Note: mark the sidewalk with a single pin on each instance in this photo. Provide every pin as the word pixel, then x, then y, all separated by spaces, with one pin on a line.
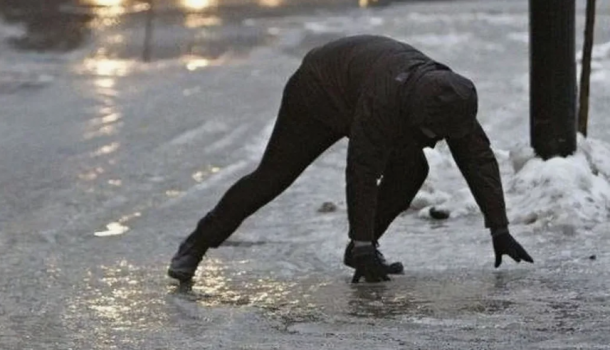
pixel 108 162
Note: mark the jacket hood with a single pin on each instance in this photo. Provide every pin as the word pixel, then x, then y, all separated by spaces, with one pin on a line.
pixel 444 102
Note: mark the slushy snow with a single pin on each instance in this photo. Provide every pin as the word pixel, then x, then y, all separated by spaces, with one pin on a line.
pixel 565 193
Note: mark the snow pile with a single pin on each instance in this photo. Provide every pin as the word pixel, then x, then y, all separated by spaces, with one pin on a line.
pixel 445 189
pixel 431 194
pixel 563 193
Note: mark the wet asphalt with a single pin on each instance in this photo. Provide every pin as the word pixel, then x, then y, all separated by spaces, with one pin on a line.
pixel 107 162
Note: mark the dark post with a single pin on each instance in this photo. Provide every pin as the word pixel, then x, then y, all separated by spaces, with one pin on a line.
pixel 552 77
pixel 148 31
pixel 585 73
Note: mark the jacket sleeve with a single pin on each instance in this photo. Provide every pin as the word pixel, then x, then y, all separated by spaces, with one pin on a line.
pixel 478 164
pixel 370 142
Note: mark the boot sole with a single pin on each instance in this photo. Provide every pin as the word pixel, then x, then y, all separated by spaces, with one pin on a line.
pixel 395 268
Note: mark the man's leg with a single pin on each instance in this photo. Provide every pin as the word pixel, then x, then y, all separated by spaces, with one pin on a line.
pixel 402 179
pixel 296 141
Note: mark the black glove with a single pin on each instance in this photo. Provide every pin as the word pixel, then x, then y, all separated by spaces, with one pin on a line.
pixel 368 265
pixel 504 243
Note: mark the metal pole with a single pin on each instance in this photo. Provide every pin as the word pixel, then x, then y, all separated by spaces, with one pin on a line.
pixel 552 77
pixel 583 105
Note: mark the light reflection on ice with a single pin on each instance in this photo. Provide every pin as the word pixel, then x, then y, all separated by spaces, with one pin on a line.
pixel 91 174
pixel 103 66
pixel 116 39
pixel 270 3
pixel 226 288
pixel 197 62
pixel 115 182
pixel 118 227
pixel 108 118
pixel 197 21
pixel 107 149
pixel 367 3
pixel 107 9
pixel 112 229
pixel 295 300
pixel 115 297
pixel 173 193
pixel 105 83
pixel 105 130
pixel 198 5
pixel 107 3
pixel 110 11
pixel 202 174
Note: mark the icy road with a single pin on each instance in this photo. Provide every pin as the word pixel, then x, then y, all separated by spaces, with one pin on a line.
pixel 107 162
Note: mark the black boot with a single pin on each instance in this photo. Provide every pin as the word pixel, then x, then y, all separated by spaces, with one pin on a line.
pixel 184 263
pixel 395 268
pixel 191 251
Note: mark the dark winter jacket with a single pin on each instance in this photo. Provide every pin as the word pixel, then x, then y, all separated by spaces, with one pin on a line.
pixel 361 87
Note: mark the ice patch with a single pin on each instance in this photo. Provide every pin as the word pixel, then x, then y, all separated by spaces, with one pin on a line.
pixel 208 127
pixel 21 70
pixel 15 79
pixel 445 40
pixel 489 18
pixel 339 24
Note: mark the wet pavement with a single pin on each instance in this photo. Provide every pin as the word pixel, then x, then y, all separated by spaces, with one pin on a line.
pixel 107 162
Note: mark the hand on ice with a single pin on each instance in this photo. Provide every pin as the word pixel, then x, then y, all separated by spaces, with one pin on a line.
pixel 504 243
pixel 368 265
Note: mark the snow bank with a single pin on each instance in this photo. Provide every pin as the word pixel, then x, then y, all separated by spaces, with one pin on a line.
pixel 444 189
pixel 565 193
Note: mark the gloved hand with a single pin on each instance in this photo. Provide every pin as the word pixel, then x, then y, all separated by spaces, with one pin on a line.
pixel 504 243
pixel 368 265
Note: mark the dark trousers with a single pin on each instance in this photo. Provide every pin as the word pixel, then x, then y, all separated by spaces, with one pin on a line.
pixel 298 138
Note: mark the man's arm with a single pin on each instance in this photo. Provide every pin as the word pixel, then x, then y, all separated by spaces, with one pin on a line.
pixel 372 135
pixel 367 155
pixel 371 138
pixel 478 164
